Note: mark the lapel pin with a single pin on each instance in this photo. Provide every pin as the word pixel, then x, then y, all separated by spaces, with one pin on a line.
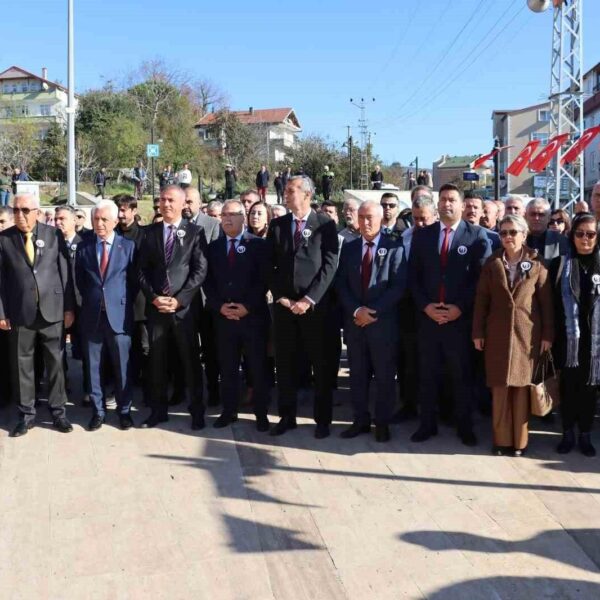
pixel 180 236
pixel 306 233
pixel 241 249
pixel 462 250
pixel 525 266
pixel 382 252
pixel 596 279
pixel 40 243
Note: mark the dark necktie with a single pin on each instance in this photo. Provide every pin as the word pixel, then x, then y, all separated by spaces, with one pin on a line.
pixel 103 259
pixel 169 245
pixel 366 268
pixel 298 234
pixel 444 261
pixel 231 254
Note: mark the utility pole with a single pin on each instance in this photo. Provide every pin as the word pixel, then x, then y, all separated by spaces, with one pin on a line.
pixel 349 143
pixel 566 96
pixel 152 162
pixel 496 160
pixel 364 142
pixel 71 177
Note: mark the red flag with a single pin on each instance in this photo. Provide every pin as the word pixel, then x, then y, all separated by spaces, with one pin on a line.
pixel 580 145
pixel 540 162
pixel 516 166
pixel 479 162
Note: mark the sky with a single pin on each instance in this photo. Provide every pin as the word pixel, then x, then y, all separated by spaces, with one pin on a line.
pixel 436 68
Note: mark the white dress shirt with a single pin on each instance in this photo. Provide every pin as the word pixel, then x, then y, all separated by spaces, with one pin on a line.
pixel 303 220
pixel 166 230
pixel 374 241
pixel 450 235
pixel 237 239
pixel 109 244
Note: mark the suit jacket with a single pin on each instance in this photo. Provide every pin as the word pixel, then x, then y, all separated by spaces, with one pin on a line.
pixel 72 249
pixel 493 239
pixel 115 293
pixel 309 270
pixel 245 283
pixel 186 271
pixel 387 284
pixel 467 253
pixel 210 226
pixel 46 284
pixel 555 245
pixel 136 234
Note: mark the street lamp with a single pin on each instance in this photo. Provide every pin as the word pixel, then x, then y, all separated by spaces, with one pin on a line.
pixel 71 188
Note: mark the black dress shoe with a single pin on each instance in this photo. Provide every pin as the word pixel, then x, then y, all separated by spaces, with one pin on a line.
pixel 198 422
pixel 423 434
pixel 224 420
pixel 519 452
pixel 321 431
pixel 467 437
pixel 355 430
pixel 382 433
pixel 96 422
pixel 63 425
pixel 126 422
pixel 284 425
pixel 153 420
pixel 406 413
pixel 567 443
pixel 21 428
pixel 262 423
pixel 585 445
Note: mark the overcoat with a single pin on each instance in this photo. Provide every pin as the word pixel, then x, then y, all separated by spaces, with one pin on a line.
pixel 513 322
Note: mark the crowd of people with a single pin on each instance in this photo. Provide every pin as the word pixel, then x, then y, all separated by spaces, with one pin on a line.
pixel 457 291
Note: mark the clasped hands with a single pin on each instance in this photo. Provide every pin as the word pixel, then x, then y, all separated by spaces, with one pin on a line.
pixel 442 313
pixel 299 307
pixel 166 304
pixel 234 311
pixel 365 316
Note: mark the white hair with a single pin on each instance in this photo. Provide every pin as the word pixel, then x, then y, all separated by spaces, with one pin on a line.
pixel 113 209
pixel 539 202
pixel 35 200
pixel 374 203
pixel 307 183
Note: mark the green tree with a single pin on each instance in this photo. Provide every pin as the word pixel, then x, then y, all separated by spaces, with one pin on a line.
pixel 50 163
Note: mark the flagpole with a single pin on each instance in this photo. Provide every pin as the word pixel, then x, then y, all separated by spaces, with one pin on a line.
pixel 71 196
pixel 496 160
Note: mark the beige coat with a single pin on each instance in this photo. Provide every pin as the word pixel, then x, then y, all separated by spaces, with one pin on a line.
pixel 513 322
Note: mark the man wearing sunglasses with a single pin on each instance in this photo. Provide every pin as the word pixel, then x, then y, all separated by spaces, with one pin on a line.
pixel 549 244
pixel 37 298
pixel 389 203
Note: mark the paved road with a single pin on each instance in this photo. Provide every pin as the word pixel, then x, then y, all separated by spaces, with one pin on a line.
pixel 233 514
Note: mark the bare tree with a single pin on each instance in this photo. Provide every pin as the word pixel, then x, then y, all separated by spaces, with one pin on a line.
pixel 206 95
pixel 19 143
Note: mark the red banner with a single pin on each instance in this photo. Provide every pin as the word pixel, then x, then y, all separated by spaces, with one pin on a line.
pixel 516 166
pixel 581 144
pixel 540 162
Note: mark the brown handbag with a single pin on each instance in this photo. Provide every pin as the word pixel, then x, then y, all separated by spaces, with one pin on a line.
pixel 544 392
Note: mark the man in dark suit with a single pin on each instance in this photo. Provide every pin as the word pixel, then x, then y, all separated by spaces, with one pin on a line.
pixel 211 229
pixel 66 220
pixel 304 248
pixel 6 221
pixel 549 244
pixel 36 297
pixel 129 228
pixel 236 294
pixel 370 282
pixel 444 266
pixel 172 268
pixel 106 277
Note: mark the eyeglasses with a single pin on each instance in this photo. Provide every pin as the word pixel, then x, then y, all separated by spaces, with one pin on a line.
pixel 24 211
pixel 508 232
pixel 388 205
pixel 236 214
pixel 557 221
pixel 590 235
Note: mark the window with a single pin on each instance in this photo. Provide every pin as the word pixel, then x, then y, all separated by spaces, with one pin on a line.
pixel 45 110
pixel 543 137
pixel 593 163
pixel 543 115
pixel 24 87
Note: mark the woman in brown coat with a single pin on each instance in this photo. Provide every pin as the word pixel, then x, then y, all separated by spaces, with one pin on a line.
pixel 512 324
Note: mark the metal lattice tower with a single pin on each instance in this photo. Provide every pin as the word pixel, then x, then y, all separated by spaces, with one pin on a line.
pixel 363 127
pixel 565 183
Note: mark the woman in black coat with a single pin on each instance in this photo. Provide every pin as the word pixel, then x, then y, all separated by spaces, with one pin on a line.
pixel 577 294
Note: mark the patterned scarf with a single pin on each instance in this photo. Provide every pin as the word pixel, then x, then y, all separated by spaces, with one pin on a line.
pixel 570 291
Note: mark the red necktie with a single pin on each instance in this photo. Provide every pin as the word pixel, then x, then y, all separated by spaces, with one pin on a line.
pixel 103 259
pixel 444 261
pixel 366 268
pixel 298 233
pixel 231 253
